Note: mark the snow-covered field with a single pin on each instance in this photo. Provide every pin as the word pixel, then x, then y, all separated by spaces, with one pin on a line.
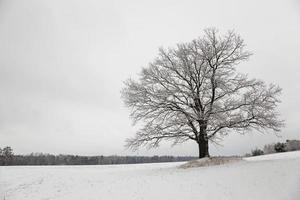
pixel 270 177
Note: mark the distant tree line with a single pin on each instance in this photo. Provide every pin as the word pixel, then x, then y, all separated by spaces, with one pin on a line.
pixel 289 145
pixel 8 158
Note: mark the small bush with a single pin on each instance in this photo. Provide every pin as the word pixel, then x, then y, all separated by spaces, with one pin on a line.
pixel 280 147
pixel 269 148
pixel 257 152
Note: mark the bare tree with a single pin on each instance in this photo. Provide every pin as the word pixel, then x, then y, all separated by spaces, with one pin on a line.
pixel 193 92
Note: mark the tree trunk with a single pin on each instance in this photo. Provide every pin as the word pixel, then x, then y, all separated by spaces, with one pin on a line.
pixel 203 140
pixel 203 148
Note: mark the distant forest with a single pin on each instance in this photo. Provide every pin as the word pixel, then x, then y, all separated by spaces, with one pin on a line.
pixel 7 157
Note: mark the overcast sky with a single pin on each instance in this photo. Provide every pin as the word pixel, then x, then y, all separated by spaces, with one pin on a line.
pixel 63 63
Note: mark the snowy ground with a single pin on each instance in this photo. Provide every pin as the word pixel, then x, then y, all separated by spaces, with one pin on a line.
pixel 270 177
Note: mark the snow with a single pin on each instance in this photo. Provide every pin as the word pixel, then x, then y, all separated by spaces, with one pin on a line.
pixel 274 177
pixel 276 156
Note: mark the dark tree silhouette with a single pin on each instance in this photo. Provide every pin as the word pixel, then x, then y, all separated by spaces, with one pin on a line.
pixel 6 155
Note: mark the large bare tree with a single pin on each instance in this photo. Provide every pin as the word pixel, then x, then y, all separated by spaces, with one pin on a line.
pixel 193 92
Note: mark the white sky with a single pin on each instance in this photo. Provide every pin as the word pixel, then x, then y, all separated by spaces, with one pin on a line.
pixel 63 63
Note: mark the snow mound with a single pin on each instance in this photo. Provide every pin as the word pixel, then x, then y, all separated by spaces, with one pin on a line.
pixel 203 162
pixel 275 156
